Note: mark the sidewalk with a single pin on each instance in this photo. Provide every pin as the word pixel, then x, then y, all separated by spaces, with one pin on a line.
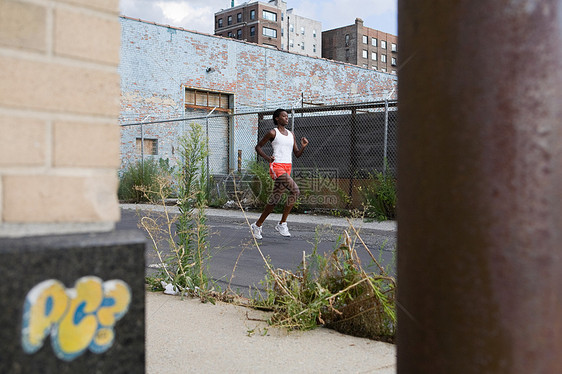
pixel 385 226
pixel 187 336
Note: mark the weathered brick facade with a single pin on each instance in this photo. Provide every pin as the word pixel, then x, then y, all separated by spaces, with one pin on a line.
pixel 159 62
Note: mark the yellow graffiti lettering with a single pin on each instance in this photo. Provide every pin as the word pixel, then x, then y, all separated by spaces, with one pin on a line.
pixel 77 319
pixel 44 306
pixel 78 326
pixel 117 298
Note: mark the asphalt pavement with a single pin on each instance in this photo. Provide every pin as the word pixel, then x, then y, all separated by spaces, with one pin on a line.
pixel 234 260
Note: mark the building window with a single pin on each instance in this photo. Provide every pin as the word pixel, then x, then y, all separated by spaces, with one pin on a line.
pixel 314 33
pixel 207 100
pixel 347 55
pixel 383 70
pixel 365 53
pixel 302 46
pixel 150 146
pixel 252 14
pixel 229 20
pixel 230 34
pixel 365 39
pixel 365 65
pixel 239 34
pixel 383 44
pixel 383 58
pixel 302 30
pixel 291 28
pixel 253 31
pixel 314 48
pixel 393 61
pixel 291 43
pixel 219 23
pixel 393 47
pixel 374 56
pixel 374 67
pixel 347 40
pixel 272 33
pixel 374 42
pixel 239 17
pixel 394 72
pixel 270 16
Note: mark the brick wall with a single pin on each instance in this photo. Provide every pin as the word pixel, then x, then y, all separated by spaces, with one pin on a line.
pixel 157 62
pixel 59 101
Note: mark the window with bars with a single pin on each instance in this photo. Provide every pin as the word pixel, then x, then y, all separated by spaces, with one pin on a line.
pixel 150 146
pixel 197 99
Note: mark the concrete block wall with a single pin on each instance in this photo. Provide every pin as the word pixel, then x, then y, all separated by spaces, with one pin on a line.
pixel 157 62
pixel 59 103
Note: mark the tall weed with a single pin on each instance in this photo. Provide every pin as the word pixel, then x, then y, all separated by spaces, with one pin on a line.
pixel 379 197
pixel 333 290
pixel 186 233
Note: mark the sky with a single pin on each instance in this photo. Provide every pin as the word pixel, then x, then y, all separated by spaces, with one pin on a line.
pixel 198 15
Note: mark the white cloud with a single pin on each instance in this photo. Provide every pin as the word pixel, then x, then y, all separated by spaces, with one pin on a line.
pixel 183 14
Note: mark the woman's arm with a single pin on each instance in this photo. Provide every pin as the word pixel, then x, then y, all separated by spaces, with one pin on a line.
pixel 298 152
pixel 269 136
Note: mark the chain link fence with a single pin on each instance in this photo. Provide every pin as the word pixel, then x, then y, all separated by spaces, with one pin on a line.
pixel 347 144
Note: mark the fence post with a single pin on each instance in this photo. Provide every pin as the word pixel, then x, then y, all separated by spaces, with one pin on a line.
pixel 207 146
pixel 385 138
pixel 352 154
pixel 142 153
pixel 240 161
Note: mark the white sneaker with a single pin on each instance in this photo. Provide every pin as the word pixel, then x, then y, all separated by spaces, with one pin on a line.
pixel 256 230
pixel 283 229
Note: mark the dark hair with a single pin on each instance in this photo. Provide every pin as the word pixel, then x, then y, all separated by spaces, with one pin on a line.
pixel 276 115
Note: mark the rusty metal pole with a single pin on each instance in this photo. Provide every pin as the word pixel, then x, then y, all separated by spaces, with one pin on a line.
pixel 480 187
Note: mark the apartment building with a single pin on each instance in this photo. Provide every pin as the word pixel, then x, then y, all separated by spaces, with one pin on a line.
pixel 362 46
pixel 271 24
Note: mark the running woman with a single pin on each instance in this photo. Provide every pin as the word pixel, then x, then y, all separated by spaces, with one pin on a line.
pixel 280 163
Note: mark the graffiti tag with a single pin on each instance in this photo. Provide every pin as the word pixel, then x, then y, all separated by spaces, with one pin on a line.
pixel 76 319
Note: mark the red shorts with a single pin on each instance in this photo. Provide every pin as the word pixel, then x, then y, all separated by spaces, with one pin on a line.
pixel 277 169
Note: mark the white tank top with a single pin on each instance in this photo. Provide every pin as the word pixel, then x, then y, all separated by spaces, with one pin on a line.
pixel 283 147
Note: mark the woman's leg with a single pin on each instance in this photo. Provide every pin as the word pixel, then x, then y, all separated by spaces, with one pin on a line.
pixel 294 193
pixel 278 189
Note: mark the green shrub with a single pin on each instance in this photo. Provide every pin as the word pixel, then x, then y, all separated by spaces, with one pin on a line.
pixel 138 183
pixel 379 197
pixel 263 184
